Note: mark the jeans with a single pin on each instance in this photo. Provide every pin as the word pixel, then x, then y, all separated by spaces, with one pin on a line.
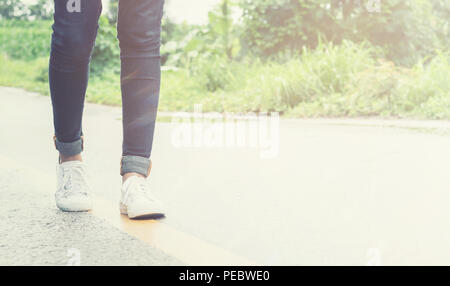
pixel 74 32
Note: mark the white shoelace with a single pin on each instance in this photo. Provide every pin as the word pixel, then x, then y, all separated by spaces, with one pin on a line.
pixel 139 187
pixel 74 180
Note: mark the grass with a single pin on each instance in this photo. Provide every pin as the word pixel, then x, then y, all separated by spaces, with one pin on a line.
pixel 33 76
pixel 303 87
pixel 23 74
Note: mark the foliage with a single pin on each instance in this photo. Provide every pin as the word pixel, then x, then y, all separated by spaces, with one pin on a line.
pixel 28 40
pixel 274 25
pixel 112 11
pixel 42 9
pixel 11 8
pixel 183 44
pixel 298 57
pixel 401 27
pixel 15 9
pixel 106 51
pixel 328 69
pixel 24 39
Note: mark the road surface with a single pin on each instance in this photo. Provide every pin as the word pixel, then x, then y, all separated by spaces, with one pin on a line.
pixel 333 192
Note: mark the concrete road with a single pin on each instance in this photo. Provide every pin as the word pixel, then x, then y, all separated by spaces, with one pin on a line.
pixel 332 192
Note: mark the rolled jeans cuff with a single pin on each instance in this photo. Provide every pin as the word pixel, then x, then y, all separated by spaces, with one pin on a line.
pixel 70 148
pixel 135 164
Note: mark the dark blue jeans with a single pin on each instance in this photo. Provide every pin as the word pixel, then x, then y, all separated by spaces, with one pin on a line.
pixel 74 32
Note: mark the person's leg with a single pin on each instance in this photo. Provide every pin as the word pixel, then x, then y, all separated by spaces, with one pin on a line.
pixel 74 32
pixel 139 30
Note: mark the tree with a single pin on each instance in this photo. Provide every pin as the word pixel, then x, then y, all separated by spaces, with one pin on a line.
pixel 112 11
pixel 405 29
pixel 271 26
pixel 441 8
pixel 221 29
pixel 41 10
pixel 11 9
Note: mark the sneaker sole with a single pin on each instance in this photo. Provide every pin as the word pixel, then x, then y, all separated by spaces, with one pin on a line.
pixel 144 215
pixel 74 208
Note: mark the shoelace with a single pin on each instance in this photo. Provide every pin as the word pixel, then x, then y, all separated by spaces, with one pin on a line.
pixel 74 180
pixel 139 187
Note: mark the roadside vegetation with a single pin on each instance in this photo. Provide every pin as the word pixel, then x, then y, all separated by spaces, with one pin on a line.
pixel 301 58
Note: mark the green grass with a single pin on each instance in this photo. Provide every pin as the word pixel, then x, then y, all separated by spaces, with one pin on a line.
pixel 24 74
pixel 303 87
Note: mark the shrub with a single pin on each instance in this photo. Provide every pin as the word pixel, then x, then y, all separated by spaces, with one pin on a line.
pixel 325 71
pixel 106 51
pixel 426 92
pixel 29 40
pixel 25 40
pixel 407 30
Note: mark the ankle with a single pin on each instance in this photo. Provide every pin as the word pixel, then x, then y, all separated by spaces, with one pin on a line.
pixel 126 176
pixel 63 158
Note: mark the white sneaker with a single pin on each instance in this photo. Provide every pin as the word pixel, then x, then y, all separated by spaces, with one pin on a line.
pixel 72 193
pixel 137 201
